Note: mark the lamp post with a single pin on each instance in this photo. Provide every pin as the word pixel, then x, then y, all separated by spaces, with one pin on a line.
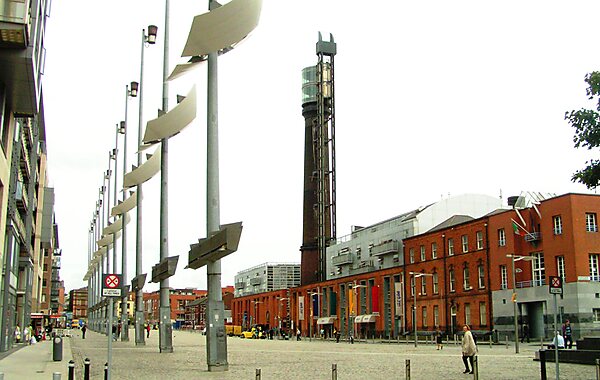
pixel 514 296
pixel 255 316
pixel 354 314
pixel 415 276
pixel 279 311
pixel 136 90
pixel 129 92
pixel 312 294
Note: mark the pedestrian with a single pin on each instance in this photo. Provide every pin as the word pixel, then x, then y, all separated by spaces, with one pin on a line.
pixel 18 334
pixel 83 330
pixel 558 341
pixel 114 332
pixel 147 330
pixel 298 335
pixel 439 339
pixel 27 332
pixel 469 349
pixel 525 333
pixel 568 333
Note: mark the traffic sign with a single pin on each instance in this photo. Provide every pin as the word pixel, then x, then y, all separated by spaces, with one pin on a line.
pixel 111 285
pixel 555 285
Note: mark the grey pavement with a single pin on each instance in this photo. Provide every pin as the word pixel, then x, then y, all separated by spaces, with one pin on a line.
pixel 280 359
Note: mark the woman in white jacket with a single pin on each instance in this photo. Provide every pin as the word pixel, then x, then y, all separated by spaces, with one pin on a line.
pixel 469 349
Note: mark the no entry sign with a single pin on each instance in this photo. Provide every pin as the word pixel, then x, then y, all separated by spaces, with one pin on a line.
pixel 111 285
pixel 555 285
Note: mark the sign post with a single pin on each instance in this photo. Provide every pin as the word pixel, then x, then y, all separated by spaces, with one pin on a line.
pixel 112 286
pixel 556 288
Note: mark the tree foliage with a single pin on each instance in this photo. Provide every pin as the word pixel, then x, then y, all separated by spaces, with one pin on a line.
pixel 587 132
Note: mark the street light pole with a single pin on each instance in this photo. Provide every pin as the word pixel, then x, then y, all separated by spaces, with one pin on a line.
pixel 415 276
pixel 514 258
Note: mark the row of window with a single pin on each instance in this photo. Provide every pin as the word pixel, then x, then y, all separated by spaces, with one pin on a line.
pixel 467 314
pixel 451 280
pixel 434 247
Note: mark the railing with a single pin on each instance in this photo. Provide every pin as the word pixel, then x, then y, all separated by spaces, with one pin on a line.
pixel 341 259
pixel 533 236
pixel 531 283
pixel 386 247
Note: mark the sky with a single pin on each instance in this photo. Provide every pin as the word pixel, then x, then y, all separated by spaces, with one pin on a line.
pixel 433 99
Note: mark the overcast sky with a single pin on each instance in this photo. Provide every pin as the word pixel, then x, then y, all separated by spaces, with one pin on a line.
pixel 433 98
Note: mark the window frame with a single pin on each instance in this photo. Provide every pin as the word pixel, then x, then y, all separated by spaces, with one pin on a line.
pixel 481 276
pixel 501 237
pixel 452 280
pixel 560 267
pixel 466 278
pixel 503 277
pixel 594 261
pixel 479 239
pixel 557 226
pixel 464 239
pixel 423 252
pixel 411 255
pixel 434 250
pixel 591 222
pixel 450 246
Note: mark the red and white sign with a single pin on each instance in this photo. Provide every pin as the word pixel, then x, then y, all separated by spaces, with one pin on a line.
pixel 555 285
pixel 111 285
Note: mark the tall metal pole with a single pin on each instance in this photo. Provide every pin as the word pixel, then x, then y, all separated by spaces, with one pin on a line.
pixel 140 339
pixel 216 339
pixel 555 337
pixel 166 330
pixel 114 239
pixel 125 295
pixel 414 316
pixel 514 299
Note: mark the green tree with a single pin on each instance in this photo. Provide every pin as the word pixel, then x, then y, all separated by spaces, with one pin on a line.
pixel 587 132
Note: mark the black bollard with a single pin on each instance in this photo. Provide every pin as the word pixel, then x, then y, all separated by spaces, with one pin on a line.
pixel 71 370
pixel 257 374
pixel 597 369
pixel 105 371
pixel 86 369
pixel 543 365
pixel 407 369
pixel 475 368
pixel 334 371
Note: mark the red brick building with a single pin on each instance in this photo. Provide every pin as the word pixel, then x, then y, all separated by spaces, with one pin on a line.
pixel 460 274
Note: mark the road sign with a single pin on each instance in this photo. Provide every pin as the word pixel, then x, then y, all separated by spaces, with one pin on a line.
pixel 555 285
pixel 111 285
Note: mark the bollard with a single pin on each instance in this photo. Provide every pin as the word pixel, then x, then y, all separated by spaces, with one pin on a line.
pixel 490 340
pixel 56 376
pixel 71 370
pixel 407 369
pixel 257 374
pixel 543 365
pixel 597 369
pixel 406 339
pixel 105 371
pixel 86 369
pixel 475 368
pixel 334 371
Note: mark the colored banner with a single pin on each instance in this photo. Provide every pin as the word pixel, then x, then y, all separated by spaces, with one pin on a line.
pixel 398 298
pixel 351 301
pixel 301 308
pixel 315 305
pixel 375 299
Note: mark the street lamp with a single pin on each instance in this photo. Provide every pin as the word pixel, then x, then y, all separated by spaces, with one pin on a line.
pixel 255 317
pixel 514 296
pixel 352 313
pixel 137 89
pixel 279 311
pixel 312 294
pixel 415 276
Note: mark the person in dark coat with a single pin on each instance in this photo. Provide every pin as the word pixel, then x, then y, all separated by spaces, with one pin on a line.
pixel 83 330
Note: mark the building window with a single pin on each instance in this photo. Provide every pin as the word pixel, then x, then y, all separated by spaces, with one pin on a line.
pixel 557 220
pixel 503 277
pixel 424 316
pixel 560 266
pixel 594 274
pixel 466 283
pixel 467 314
pixel 450 247
pixel 480 276
pixel 452 280
pixel 435 283
pixel 422 253
pixel 358 252
pixel 479 236
pixel 434 250
pixel 482 314
pixel 465 243
pixel 539 271
pixel 411 255
pixel 436 315
pixel 596 313
pixel 501 237
pixel 412 285
pixel 590 222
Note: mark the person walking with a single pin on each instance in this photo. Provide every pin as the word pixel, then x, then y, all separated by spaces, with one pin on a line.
pixel 525 333
pixel 147 330
pixel 568 334
pixel 298 335
pixel 83 330
pixel 18 334
pixel 469 349
pixel 439 339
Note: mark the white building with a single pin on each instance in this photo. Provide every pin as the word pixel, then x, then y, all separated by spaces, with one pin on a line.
pixel 267 277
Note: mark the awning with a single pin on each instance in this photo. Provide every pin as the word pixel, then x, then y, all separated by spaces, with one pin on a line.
pixel 325 321
pixel 366 318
